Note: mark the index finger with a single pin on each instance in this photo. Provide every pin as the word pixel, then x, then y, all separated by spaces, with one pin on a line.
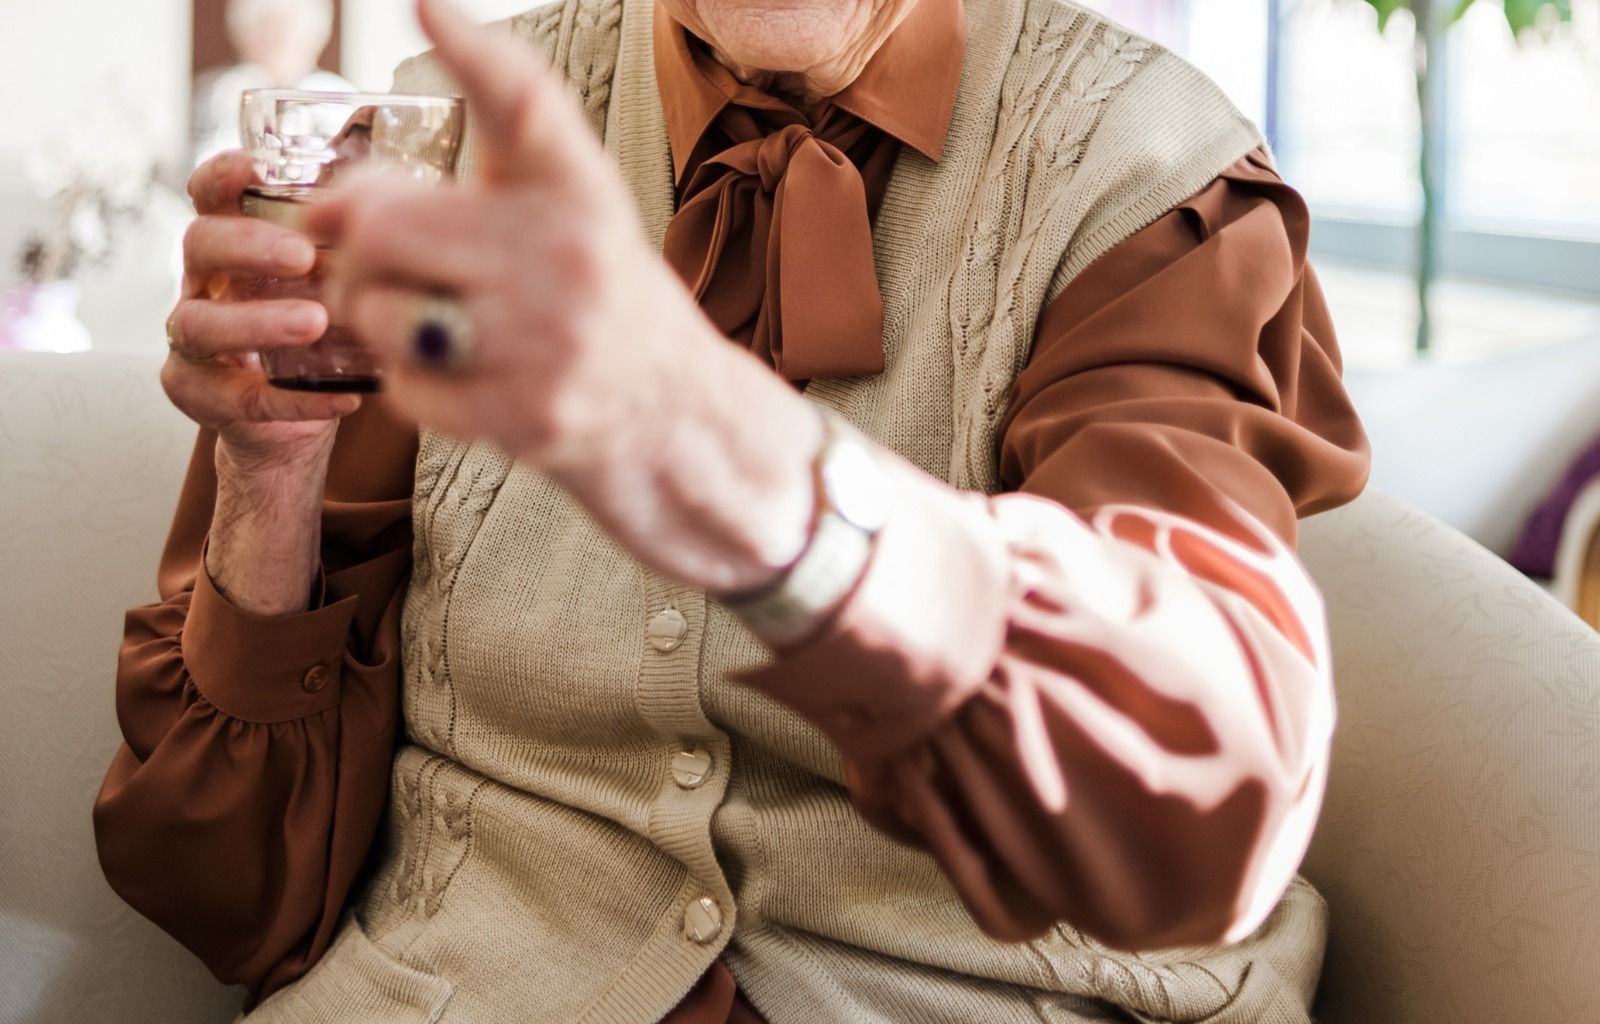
pixel 215 185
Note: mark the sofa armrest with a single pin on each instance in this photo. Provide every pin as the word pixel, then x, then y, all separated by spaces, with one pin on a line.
pixel 1459 847
pixel 91 457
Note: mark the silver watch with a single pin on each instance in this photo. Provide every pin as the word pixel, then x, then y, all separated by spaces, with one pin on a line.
pixel 853 498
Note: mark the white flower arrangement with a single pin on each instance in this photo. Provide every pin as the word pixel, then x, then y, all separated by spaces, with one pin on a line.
pixel 94 177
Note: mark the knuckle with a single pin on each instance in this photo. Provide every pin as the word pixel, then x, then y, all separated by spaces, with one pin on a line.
pixel 178 384
pixel 203 189
pixel 203 180
pixel 195 236
pixel 187 321
pixel 206 240
pixel 252 406
pixel 209 185
pixel 577 259
pixel 171 378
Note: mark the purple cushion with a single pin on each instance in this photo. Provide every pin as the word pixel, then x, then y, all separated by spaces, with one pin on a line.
pixel 1535 551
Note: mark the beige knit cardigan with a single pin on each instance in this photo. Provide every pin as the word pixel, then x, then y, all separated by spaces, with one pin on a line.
pixel 538 857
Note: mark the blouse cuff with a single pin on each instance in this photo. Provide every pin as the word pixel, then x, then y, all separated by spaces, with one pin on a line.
pixel 920 634
pixel 264 668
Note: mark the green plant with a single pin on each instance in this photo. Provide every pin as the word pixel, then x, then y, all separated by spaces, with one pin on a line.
pixel 1433 19
pixel 1520 14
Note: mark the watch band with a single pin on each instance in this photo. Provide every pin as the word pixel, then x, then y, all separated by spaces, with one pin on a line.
pixel 852 504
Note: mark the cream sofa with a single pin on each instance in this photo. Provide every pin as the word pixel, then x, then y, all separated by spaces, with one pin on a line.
pixel 1460 849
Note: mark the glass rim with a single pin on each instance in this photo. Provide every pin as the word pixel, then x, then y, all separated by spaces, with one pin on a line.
pixel 352 99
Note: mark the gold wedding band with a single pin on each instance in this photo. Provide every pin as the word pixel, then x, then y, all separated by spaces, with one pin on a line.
pixel 176 347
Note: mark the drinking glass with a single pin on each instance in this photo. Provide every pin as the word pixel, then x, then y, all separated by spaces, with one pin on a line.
pixel 301 144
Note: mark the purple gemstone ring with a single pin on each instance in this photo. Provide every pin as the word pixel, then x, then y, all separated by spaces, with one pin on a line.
pixel 442 337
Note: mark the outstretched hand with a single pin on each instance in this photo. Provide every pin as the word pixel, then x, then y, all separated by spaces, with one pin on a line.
pixel 591 361
pixel 579 327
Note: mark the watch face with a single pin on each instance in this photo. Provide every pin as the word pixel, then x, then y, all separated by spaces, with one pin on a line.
pixel 858 488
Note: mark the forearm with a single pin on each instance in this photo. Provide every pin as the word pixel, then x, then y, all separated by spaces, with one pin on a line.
pixel 713 492
pixel 266 529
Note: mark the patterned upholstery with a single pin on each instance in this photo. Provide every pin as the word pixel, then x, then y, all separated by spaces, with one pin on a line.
pixel 91 456
pixel 1460 847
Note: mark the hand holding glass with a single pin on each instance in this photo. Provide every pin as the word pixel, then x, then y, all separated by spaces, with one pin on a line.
pixel 301 143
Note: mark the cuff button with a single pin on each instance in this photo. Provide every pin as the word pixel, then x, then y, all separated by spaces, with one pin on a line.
pixel 315 680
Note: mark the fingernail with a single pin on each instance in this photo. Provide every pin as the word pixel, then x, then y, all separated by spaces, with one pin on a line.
pixel 292 252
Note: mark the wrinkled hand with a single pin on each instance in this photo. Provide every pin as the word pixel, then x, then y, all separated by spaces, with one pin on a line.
pixel 582 333
pixel 212 373
pixel 273 446
pixel 591 362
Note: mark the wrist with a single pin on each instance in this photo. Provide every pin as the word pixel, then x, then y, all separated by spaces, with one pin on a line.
pixel 273 466
pixel 263 548
pixel 851 499
pixel 711 483
pixel 759 449
pixel 767 446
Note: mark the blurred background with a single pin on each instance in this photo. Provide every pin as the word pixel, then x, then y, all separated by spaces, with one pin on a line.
pixel 1475 184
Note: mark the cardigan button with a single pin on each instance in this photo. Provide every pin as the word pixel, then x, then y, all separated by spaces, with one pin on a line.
pixel 315 680
pixel 667 630
pixel 691 768
pixel 702 921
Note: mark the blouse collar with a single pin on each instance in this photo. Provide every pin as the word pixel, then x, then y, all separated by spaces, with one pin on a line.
pixel 908 88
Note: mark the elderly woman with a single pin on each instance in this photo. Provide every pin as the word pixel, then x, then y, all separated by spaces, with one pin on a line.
pixel 844 571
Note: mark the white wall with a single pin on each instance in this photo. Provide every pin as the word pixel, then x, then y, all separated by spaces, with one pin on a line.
pixel 62 61
pixel 378 34
pixel 74 76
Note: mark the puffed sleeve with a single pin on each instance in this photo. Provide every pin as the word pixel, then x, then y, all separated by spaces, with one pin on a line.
pixel 1105 698
pixel 255 763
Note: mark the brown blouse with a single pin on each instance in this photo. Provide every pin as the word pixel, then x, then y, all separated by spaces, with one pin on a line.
pixel 1192 370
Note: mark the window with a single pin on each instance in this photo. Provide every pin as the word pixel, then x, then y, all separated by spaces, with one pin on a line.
pixel 1347 131
pixel 1525 123
pixel 1520 143
pixel 1519 127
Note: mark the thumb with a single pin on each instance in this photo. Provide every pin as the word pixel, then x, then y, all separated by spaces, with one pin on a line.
pixel 528 126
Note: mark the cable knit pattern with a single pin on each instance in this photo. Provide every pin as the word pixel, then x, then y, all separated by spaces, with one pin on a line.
pixel 538 856
pixel 470 479
pixel 1048 110
pixel 1033 225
